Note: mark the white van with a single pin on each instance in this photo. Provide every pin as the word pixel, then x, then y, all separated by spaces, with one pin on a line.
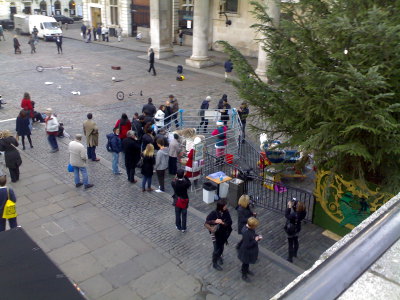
pixel 47 27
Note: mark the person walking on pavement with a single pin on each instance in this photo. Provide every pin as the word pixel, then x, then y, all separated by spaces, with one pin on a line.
pixel 2 33
pixel 221 218
pixel 148 167
pixel 151 61
pixel 161 164
pixel 5 194
pixel 225 111
pixel 12 157
pixel 23 129
pixel 248 251
pixel 204 106
pixel 91 132
pixel 149 109
pixel 114 145
pixel 294 214
pixel 89 35
pixel 59 43
pixel 181 184
pixel 174 149
pixel 51 127
pixel 119 33
pixel 32 43
pixel 228 66
pixel 180 35
pixel 78 159
pixel 243 112
pixel 35 32
pixel 83 31
pixel 16 45
pixel 131 148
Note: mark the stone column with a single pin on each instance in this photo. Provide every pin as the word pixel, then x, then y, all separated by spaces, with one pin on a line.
pixel 161 28
pixel 273 10
pixel 200 58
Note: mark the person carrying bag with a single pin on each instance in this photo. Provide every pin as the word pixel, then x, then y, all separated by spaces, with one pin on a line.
pixel 181 184
pixel 7 205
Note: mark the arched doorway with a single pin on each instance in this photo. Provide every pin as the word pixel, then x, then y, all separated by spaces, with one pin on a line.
pixel 13 10
pixel 43 8
pixel 57 7
pixel 72 9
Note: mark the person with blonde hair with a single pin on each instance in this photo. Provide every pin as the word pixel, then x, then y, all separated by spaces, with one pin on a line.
pixel 244 211
pixel 248 251
pixel 148 167
pixel 12 157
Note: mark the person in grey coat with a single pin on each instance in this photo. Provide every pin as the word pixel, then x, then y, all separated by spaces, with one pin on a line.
pixel 248 251
pixel 174 148
pixel 162 158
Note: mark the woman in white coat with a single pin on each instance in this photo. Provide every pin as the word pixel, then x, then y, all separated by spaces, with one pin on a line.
pixel 159 117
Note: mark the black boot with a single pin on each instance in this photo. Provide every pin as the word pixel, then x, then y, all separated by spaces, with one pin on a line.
pixel 245 278
pixel 220 260
pixel 217 266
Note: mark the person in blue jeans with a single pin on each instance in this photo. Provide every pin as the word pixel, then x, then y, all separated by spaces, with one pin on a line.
pixel 114 145
pixel 148 167
pixel 5 194
pixel 78 159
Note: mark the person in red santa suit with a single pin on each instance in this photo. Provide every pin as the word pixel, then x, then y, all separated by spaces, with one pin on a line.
pixel 192 171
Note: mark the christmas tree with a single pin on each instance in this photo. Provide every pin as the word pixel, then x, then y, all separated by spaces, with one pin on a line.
pixel 334 83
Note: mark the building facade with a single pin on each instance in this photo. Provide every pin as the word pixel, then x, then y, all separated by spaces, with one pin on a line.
pixel 69 8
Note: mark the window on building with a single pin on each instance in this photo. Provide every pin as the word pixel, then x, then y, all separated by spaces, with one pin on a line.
pixel 231 6
pixel 114 12
pixel 94 1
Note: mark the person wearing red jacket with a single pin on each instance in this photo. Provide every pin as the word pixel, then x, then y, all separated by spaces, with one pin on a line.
pixel 26 104
pixel 124 125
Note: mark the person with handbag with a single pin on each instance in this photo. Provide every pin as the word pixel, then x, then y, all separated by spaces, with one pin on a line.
pixel 294 214
pixel 22 128
pixel 219 224
pixel 248 251
pixel 181 184
pixel 6 193
pixel 148 167
pixel 13 160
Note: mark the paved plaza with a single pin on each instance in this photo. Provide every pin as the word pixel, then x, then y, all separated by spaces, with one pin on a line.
pixel 113 240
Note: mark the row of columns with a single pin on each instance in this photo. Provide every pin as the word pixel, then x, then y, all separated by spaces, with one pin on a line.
pixel 161 32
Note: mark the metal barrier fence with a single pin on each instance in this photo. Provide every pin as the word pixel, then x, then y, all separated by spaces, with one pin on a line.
pixel 263 192
pixel 240 159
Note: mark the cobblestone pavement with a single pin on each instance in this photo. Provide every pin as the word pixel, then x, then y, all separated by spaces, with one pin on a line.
pixel 148 215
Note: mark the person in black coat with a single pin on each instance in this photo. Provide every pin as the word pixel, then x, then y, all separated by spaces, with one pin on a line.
pixel 225 111
pixel 12 157
pixel 147 138
pixel 244 212
pixel 248 251
pixel 131 148
pixel 5 194
pixel 220 217
pixel 16 45
pixel 137 126
pixel 151 61
pixel 181 184
pixel 148 167
pixel 59 43
pixel 294 214
pixel 149 109
pixel 22 128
